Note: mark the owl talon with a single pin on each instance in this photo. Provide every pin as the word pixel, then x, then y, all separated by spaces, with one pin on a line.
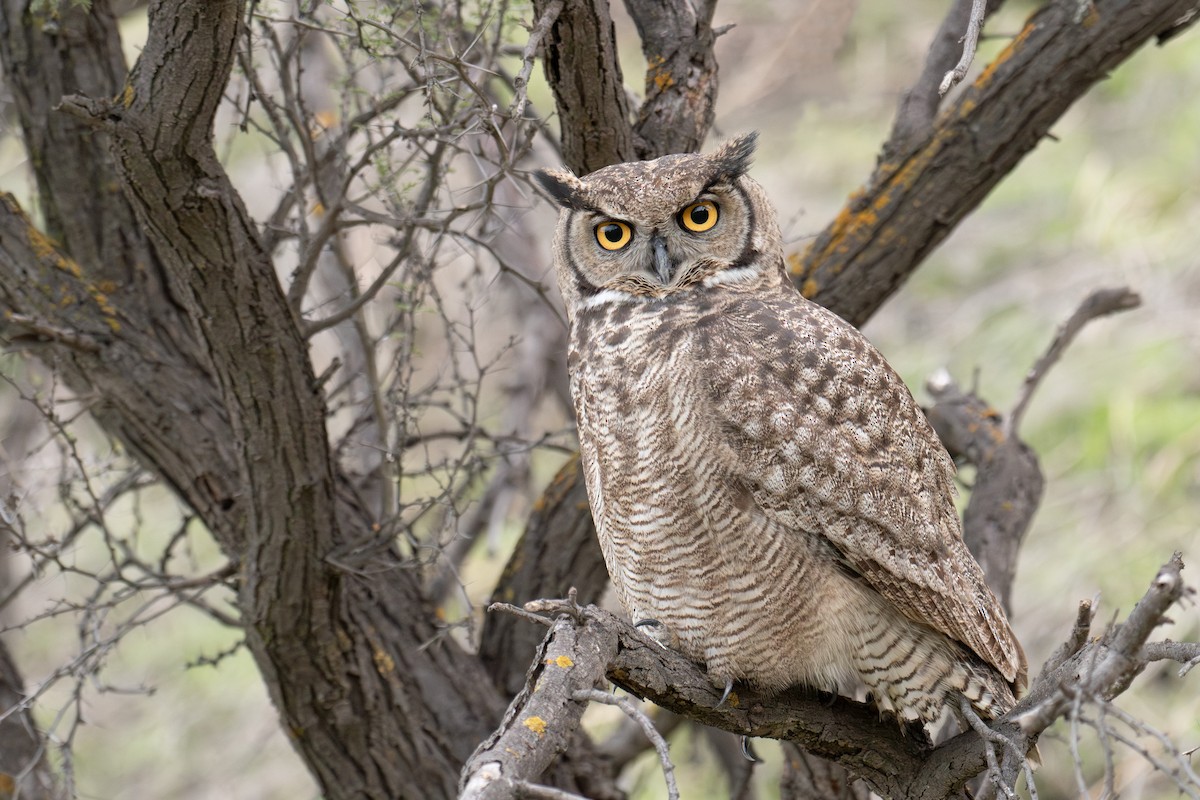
pixel 725 694
pixel 748 751
pixel 657 632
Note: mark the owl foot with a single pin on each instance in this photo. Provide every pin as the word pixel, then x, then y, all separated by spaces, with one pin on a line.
pixel 725 694
pixel 659 633
pixel 748 751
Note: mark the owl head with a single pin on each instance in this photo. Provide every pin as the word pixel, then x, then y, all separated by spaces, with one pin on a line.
pixel 654 229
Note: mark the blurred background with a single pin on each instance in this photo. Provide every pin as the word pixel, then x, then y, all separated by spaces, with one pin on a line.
pixel 175 710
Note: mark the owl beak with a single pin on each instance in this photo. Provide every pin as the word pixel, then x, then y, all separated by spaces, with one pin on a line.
pixel 662 261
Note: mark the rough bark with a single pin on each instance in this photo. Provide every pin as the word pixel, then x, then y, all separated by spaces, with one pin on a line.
pixel 580 59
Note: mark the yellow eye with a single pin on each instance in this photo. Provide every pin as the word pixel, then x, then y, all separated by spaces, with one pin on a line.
pixel 613 235
pixel 699 217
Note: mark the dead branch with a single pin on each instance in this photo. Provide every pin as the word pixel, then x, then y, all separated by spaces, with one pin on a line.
pixel 536 34
pixel 647 726
pixel 541 720
pixel 1099 303
pixel 969 42
pixel 919 105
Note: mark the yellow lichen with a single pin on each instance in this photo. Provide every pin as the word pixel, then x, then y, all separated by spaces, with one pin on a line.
pixel 561 661
pixel 536 724
pixel 384 663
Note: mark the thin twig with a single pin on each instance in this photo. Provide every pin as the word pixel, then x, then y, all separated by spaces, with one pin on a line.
pixel 1097 304
pixel 40 329
pixel 508 608
pixel 970 42
pixel 638 716
pixel 536 34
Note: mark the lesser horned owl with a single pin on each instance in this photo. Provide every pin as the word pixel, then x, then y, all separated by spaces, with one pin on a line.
pixel 767 493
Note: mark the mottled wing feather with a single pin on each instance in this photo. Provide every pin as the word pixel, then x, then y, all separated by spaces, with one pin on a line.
pixel 830 441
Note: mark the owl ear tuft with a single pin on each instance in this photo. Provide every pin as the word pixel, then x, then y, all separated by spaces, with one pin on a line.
pixel 732 159
pixel 563 187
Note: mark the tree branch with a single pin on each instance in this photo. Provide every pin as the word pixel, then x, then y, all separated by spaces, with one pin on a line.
pixel 919 105
pixel 542 718
pixel 580 59
pixel 852 734
pixel 212 386
pixel 917 195
pixel 970 41
pixel 1099 303
pixel 681 75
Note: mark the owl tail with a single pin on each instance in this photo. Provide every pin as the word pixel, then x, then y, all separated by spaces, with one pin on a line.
pixel 917 672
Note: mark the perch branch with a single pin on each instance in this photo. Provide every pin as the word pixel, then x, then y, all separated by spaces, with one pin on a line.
pixel 543 718
pixel 848 733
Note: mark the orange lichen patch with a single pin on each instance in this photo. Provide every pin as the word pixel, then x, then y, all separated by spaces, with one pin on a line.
pixel 127 95
pixel 733 700
pixel 662 79
pixel 849 225
pixel 537 725
pixel 561 661
pixel 809 289
pixel 989 72
pixel 7 786
pixel 384 663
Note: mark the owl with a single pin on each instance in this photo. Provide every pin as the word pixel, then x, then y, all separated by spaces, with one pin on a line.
pixel 769 498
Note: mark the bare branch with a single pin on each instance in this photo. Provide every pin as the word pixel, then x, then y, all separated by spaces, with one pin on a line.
pixel 1099 303
pixel 639 716
pixel 1107 667
pixel 539 724
pixel 1186 653
pixel 536 34
pixel 969 42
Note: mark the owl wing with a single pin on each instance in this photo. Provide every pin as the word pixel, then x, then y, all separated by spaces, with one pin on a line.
pixel 828 440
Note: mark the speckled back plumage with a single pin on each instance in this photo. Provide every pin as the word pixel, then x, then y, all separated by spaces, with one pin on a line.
pixel 763 484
